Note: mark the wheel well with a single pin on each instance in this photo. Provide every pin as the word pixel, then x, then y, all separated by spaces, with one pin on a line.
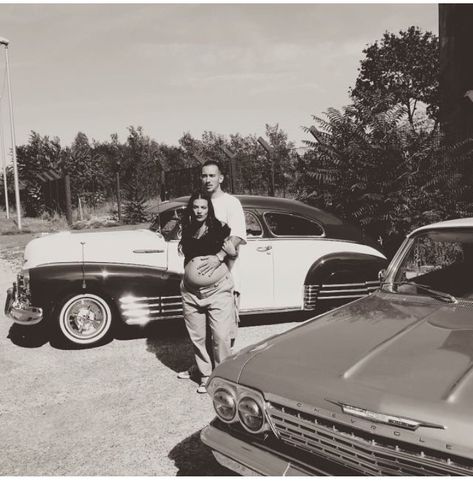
pixel 91 288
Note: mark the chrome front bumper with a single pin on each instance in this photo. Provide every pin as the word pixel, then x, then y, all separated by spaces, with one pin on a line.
pixel 248 460
pixel 21 312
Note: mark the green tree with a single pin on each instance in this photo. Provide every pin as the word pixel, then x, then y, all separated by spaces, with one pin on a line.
pixel 401 70
pixel 375 170
pixel 86 171
pixel 40 154
pixel 140 174
pixel 249 160
pixel 283 158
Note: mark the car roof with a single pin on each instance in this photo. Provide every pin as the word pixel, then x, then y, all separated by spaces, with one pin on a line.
pixel 446 224
pixel 334 227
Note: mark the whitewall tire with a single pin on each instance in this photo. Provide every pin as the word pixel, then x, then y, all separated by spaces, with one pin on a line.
pixel 85 319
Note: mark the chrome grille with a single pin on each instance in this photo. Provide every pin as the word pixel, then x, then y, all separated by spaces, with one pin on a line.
pixel 140 310
pixel 358 449
pixel 337 292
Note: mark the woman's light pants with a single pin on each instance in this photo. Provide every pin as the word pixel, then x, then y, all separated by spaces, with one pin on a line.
pixel 215 305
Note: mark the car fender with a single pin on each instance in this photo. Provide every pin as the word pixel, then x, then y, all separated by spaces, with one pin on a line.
pixel 344 267
pixel 51 283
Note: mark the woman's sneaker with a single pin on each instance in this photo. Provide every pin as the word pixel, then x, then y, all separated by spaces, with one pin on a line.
pixel 202 389
pixel 184 374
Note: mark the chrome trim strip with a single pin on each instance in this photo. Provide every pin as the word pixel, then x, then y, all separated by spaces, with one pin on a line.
pixel 133 305
pixel 96 263
pixel 148 251
pixel 329 291
pixel 353 284
pixel 157 318
pixel 340 297
pixel 135 299
pixel 144 320
pixel 150 311
pixel 384 418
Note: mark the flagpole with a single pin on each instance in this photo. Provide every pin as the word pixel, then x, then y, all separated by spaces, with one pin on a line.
pixel 4 164
pixel 5 42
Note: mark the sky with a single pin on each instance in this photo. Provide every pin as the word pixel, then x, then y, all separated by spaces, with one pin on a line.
pixel 175 68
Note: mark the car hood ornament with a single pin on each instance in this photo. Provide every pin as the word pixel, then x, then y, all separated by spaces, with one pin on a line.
pixel 389 419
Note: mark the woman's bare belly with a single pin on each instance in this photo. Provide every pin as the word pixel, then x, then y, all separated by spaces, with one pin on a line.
pixel 193 279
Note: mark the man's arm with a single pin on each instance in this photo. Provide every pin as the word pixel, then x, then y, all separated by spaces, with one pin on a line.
pixel 227 254
pixel 236 222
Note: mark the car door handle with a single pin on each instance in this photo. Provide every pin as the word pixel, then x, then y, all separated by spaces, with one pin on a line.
pixel 264 249
pixel 148 251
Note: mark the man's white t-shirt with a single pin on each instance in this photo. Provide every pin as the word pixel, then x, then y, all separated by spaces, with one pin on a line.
pixel 228 209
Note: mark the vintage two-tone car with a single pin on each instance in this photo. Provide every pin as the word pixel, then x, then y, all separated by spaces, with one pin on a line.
pixel 83 284
pixel 380 386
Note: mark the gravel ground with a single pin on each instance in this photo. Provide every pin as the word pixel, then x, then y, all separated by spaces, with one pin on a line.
pixel 117 409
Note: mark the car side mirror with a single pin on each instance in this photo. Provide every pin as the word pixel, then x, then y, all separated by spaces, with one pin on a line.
pixel 382 275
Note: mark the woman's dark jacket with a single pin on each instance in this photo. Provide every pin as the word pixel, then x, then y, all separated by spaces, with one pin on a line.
pixel 209 244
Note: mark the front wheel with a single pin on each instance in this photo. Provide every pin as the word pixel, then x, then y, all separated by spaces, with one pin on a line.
pixel 85 319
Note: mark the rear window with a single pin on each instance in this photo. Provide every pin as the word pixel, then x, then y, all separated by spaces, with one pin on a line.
pixel 292 225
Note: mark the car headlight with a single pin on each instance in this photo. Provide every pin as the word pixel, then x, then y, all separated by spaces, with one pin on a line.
pixel 236 403
pixel 224 402
pixel 250 414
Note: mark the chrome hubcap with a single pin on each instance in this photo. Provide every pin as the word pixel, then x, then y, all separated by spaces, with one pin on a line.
pixel 85 318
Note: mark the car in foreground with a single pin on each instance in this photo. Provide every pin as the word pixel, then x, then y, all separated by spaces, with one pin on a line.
pixel 379 386
pixel 84 284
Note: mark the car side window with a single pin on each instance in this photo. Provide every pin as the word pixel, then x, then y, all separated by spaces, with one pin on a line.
pixel 291 225
pixel 253 226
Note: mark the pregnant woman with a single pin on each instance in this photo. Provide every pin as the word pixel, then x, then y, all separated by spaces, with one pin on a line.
pixel 209 297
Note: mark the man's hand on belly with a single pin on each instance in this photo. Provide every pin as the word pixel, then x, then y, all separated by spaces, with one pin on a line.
pixel 209 265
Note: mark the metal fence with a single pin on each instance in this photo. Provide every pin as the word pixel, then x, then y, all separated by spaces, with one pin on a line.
pixel 242 175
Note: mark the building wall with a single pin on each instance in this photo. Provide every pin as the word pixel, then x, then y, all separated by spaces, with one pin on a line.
pixel 456 69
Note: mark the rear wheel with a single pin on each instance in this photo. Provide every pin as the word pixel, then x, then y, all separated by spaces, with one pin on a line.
pixel 85 319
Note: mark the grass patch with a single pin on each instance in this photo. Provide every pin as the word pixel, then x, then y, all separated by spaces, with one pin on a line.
pixel 32 225
pixel 102 216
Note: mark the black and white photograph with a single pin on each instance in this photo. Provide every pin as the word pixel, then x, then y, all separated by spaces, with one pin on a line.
pixel 236 239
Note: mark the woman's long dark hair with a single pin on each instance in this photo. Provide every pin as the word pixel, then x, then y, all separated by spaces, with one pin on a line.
pixel 189 225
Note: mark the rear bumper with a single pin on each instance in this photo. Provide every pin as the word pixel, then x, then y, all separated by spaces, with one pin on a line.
pixel 248 460
pixel 21 312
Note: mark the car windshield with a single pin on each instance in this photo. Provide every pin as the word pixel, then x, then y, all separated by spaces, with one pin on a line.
pixel 439 264
pixel 168 223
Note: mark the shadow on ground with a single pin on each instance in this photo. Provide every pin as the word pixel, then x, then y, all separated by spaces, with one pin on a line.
pixel 267 319
pixel 170 344
pixel 39 335
pixel 193 458
pixel 28 336
pixel 168 340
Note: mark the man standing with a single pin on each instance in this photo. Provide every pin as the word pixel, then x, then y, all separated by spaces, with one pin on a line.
pixel 227 209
